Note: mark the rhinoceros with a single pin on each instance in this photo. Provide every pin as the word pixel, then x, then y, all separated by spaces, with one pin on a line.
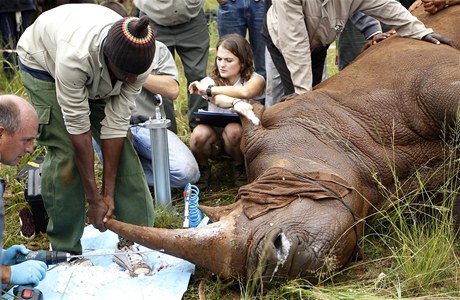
pixel 316 162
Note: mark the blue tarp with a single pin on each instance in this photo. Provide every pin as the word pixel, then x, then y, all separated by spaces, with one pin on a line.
pixel 106 280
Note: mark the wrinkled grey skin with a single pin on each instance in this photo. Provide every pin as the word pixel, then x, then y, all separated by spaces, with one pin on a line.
pixel 383 115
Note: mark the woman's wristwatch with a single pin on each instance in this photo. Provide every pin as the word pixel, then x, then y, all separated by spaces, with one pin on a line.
pixel 209 91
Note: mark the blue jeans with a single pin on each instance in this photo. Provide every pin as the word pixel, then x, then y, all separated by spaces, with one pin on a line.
pixel 183 167
pixel 239 16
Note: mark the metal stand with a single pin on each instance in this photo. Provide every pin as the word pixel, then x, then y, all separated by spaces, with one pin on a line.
pixel 160 160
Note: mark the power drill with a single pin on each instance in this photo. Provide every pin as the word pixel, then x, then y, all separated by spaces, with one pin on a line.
pixel 48 257
pixel 28 292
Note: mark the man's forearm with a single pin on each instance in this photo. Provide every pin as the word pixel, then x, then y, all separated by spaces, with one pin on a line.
pixel 84 159
pixel 163 85
pixel 111 151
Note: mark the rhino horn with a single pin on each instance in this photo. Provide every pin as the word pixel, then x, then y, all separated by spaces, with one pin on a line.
pixel 216 213
pixel 215 247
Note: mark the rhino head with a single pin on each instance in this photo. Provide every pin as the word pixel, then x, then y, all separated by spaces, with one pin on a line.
pixel 276 244
pixel 274 231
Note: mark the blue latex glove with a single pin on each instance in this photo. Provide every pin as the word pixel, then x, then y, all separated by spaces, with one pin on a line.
pixel 9 255
pixel 28 272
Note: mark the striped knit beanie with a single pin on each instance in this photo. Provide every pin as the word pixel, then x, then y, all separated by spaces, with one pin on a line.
pixel 130 45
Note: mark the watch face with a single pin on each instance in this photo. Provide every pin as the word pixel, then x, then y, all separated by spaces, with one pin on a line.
pixel 208 91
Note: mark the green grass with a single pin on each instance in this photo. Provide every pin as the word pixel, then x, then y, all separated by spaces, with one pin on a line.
pixel 410 248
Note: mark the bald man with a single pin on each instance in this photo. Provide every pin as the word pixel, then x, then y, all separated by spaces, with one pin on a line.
pixel 18 128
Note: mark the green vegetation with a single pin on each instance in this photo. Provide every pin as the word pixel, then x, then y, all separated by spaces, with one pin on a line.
pixel 410 247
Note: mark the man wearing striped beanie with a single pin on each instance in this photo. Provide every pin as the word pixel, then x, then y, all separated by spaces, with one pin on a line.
pixel 82 66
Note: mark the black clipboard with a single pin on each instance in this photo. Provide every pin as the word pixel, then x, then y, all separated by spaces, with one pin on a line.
pixel 217 119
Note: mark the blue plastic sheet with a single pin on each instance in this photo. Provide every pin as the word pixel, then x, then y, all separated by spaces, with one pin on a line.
pixel 106 280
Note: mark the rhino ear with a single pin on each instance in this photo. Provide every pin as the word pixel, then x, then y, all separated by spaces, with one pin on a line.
pixel 216 213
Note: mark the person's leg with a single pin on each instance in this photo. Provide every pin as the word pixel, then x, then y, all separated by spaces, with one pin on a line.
pixel 318 58
pixel 350 43
pixel 26 16
pixel 255 21
pixel 201 144
pixel 141 143
pixel 273 86
pixel 133 201
pixel 61 188
pixel 191 41
pixel 324 76
pixel 8 31
pixel 193 48
pixel 168 107
pixel 281 67
pixel 201 141
pixel 182 164
pixel 183 167
pixel 232 138
pixel 10 36
pixel 148 171
pixel 231 19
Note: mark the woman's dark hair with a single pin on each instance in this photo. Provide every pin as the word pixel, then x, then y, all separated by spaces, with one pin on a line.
pixel 239 47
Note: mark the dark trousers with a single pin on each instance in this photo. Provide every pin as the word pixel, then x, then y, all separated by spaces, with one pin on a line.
pixel 350 43
pixel 191 42
pixel 10 35
pixel 318 58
